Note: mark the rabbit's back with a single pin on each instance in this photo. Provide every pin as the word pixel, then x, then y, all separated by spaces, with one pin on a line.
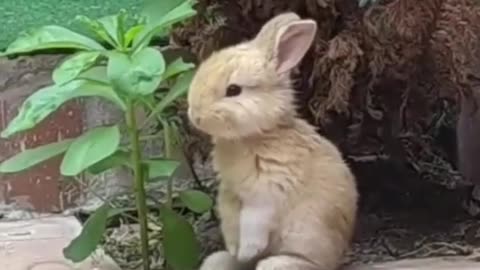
pixel 323 214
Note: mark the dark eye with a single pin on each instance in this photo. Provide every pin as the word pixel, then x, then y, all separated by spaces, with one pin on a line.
pixel 233 90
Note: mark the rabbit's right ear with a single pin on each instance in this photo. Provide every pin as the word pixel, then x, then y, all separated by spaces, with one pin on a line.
pixel 292 43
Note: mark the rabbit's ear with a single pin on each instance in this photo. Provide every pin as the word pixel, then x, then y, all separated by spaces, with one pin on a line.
pixel 266 37
pixel 292 43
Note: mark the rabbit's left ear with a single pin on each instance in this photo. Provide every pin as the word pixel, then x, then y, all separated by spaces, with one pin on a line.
pixel 292 43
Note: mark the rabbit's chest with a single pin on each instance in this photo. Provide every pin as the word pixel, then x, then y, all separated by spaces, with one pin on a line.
pixel 234 163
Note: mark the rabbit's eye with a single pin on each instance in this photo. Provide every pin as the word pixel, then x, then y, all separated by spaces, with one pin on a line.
pixel 233 90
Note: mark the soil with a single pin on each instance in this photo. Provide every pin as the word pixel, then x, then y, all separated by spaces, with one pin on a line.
pixel 403 216
pixel 414 233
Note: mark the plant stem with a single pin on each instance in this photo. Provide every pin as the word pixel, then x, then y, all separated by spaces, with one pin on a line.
pixel 168 154
pixel 141 200
pixel 151 137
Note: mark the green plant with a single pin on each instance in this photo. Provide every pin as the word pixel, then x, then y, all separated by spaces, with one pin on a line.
pixel 117 64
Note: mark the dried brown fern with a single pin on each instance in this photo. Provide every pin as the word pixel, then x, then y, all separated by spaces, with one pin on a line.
pixel 374 74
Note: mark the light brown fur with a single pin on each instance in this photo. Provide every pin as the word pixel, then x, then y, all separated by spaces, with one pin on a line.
pixel 287 200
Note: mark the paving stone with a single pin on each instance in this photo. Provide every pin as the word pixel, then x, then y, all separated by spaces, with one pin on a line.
pixel 37 244
pixel 439 263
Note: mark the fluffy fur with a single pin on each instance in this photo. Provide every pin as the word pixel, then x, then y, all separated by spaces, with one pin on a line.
pixel 287 200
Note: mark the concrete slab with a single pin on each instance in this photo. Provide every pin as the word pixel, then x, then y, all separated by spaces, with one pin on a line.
pixel 438 263
pixel 37 244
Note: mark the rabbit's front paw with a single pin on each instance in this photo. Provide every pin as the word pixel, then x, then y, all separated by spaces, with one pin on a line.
pixel 250 247
pixel 232 249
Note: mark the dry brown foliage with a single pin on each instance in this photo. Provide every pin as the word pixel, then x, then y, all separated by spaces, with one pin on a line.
pixel 382 82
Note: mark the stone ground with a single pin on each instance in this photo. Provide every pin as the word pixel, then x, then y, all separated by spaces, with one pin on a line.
pixel 37 244
pixel 457 263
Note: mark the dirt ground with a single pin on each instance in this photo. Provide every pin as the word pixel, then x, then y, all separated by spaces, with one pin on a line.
pixel 393 224
pixel 400 235
pixel 404 224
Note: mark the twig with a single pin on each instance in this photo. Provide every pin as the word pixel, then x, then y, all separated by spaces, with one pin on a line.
pixel 368 158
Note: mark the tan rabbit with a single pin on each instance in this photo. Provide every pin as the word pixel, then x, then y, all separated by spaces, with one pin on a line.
pixel 287 200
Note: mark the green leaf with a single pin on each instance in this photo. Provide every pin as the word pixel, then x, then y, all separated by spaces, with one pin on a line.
pixel 181 85
pixel 86 243
pixel 31 157
pixel 155 10
pixel 168 140
pixel 179 89
pixel 148 101
pixel 132 33
pixel 90 148
pixel 91 88
pixel 47 100
pixel 114 25
pixel 159 19
pixel 121 27
pixel 97 28
pixel 161 167
pixel 175 140
pixel 73 66
pixel 109 28
pixel 119 211
pixel 176 67
pixel 51 37
pixel 196 200
pixel 139 74
pixel 181 247
pixel 119 158
pixel 97 74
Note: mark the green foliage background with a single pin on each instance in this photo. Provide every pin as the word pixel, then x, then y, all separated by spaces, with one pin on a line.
pixel 19 15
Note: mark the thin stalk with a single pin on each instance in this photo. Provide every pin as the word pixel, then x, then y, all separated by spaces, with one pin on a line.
pixel 168 154
pixel 141 200
pixel 151 137
pixel 167 140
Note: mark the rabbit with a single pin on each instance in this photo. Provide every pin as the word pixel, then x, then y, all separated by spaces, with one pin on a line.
pixel 286 198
